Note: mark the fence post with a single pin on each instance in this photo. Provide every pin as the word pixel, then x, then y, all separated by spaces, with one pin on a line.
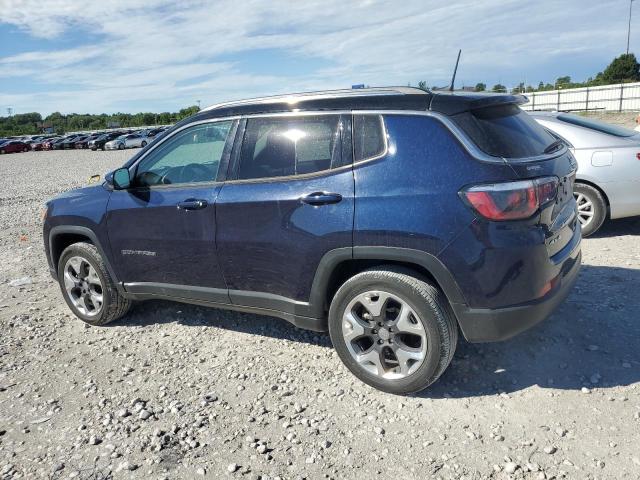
pixel 621 96
pixel 586 105
pixel 558 102
pixel 533 104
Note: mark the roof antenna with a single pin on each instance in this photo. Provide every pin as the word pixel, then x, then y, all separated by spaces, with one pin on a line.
pixel 455 70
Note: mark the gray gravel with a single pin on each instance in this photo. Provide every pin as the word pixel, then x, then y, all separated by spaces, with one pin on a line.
pixel 176 391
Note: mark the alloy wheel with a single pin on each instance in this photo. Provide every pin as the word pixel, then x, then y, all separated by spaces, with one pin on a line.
pixel 384 335
pixel 585 209
pixel 83 286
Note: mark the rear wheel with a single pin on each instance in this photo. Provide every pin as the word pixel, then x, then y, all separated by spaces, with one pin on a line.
pixel 144 144
pixel 392 330
pixel 25 149
pixel 121 147
pixel 592 208
pixel 87 286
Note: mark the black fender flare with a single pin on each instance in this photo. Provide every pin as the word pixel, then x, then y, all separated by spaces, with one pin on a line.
pixel 91 235
pixel 408 256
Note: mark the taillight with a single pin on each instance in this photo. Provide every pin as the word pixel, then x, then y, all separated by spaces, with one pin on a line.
pixel 638 156
pixel 511 200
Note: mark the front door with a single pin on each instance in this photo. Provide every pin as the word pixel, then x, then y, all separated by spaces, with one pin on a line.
pixel 162 230
pixel 290 200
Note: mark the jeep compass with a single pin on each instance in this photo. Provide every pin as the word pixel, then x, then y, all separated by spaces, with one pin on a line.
pixel 394 218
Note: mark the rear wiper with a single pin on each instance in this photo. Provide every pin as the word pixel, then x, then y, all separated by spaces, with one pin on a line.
pixel 554 146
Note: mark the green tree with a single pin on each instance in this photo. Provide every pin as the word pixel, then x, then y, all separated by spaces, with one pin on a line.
pixel 480 87
pixel 624 68
pixel 563 81
pixel 519 88
pixel 422 85
pixel 499 88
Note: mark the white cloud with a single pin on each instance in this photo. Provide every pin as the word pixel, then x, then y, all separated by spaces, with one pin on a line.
pixel 162 54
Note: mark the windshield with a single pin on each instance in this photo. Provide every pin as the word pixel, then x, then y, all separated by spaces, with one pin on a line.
pixel 592 124
pixel 504 131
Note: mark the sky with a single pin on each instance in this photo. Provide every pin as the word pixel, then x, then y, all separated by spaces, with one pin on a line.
pixel 162 55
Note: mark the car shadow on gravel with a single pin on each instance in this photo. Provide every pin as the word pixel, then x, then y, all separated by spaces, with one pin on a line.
pixel 159 311
pixel 591 341
pixel 617 228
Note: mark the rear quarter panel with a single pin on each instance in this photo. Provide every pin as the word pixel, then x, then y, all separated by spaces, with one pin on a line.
pixel 409 198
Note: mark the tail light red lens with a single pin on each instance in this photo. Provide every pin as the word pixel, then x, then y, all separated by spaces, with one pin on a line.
pixel 511 200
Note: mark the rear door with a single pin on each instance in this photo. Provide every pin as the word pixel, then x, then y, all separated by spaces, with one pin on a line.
pixel 288 202
pixel 162 230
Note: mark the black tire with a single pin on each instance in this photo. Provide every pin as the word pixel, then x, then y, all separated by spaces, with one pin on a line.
pixel 143 144
pixel 121 147
pixel 599 207
pixel 114 305
pixel 2 152
pixel 102 148
pixel 430 305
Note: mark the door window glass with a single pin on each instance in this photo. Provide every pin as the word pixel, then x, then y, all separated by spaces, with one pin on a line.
pixel 190 156
pixel 283 146
pixel 368 136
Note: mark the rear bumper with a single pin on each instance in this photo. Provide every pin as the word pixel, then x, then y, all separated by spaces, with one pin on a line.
pixel 491 325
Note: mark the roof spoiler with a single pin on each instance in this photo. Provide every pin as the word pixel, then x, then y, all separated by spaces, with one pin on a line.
pixel 458 102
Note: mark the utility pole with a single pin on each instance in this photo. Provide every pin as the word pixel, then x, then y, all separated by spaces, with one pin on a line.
pixel 9 111
pixel 629 28
pixel 198 101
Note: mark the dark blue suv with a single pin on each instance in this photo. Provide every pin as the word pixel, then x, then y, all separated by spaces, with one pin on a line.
pixel 391 217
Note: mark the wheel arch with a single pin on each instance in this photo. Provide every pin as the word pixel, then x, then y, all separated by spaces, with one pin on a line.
pixel 61 236
pixel 597 187
pixel 339 265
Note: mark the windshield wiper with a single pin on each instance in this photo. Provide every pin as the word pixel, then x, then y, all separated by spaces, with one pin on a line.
pixel 554 146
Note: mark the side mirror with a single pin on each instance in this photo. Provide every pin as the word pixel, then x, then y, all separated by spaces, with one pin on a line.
pixel 121 179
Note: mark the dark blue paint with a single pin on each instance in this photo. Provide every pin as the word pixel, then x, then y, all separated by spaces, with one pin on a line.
pixel 182 241
pixel 270 241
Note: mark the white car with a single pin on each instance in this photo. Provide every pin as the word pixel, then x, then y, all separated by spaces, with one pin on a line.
pixel 608 180
pixel 129 140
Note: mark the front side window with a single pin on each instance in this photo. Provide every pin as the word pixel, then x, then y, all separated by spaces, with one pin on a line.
pixel 284 146
pixel 191 155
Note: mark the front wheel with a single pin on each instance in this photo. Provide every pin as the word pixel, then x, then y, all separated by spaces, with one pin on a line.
pixel 143 144
pixel 592 208
pixel 121 147
pixel 392 330
pixel 87 286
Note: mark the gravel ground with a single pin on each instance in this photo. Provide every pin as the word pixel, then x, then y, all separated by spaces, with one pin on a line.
pixel 177 391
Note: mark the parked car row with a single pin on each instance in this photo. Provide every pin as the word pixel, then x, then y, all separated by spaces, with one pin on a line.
pixel 112 140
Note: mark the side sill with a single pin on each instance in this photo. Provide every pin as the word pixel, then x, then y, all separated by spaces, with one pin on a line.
pixel 219 298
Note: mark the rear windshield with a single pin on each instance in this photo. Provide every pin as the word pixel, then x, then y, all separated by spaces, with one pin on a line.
pixel 596 125
pixel 504 131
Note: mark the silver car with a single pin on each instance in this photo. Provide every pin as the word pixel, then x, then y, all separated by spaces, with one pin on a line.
pixel 608 178
pixel 129 140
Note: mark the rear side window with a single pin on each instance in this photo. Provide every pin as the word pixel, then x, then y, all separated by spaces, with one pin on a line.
pixel 504 131
pixel 284 146
pixel 596 125
pixel 368 136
